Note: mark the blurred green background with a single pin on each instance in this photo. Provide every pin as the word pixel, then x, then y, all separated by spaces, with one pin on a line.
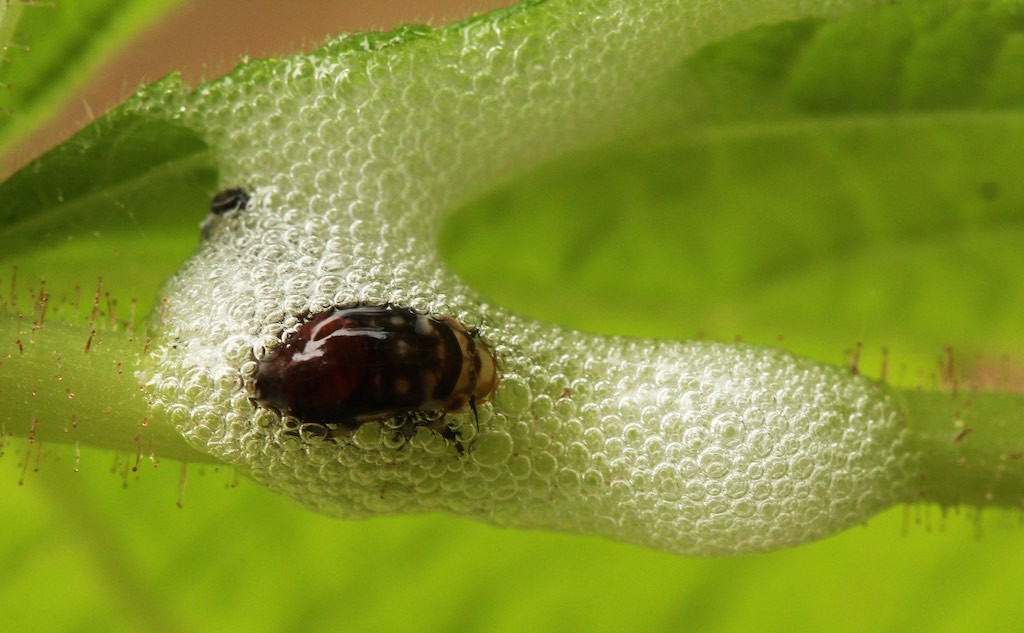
pixel 84 552
pixel 886 231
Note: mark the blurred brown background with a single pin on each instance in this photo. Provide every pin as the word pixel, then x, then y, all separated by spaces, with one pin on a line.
pixel 206 38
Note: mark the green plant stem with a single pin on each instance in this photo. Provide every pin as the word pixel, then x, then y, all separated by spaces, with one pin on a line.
pixel 970 444
pixel 971 447
pixel 63 384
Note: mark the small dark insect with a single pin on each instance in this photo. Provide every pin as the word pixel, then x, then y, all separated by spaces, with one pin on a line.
pixel 363 363
pixel 223 203
pixel 229 200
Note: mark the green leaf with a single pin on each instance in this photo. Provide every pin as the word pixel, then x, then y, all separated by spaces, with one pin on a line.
pixel 120 202
pixel 900 233
pixel 49 49
pixel 787 202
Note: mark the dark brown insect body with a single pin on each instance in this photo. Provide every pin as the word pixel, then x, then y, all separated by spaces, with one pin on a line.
pixel 358 364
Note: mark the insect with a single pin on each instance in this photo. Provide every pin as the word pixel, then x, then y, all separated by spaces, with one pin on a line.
pixel 223 203
pixel 358 364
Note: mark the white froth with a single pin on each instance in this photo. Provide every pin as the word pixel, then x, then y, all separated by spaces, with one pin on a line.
pixel 695 448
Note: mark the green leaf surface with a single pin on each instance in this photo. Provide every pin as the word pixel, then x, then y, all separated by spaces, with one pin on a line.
pixel 115 207
pixel 826 181
pixel 900 233
pixel 773 209
pixel 49 49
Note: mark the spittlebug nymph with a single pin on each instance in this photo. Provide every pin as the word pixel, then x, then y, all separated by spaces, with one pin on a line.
pixel 223 203
pixel 358 364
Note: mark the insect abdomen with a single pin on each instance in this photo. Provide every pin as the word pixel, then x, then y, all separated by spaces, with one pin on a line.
pixel 363 363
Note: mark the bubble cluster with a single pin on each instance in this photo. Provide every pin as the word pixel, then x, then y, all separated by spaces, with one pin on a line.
pixel 352 155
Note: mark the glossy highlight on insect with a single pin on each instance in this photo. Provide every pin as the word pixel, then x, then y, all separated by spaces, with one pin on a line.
pixel 358 364
pixel 223 203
